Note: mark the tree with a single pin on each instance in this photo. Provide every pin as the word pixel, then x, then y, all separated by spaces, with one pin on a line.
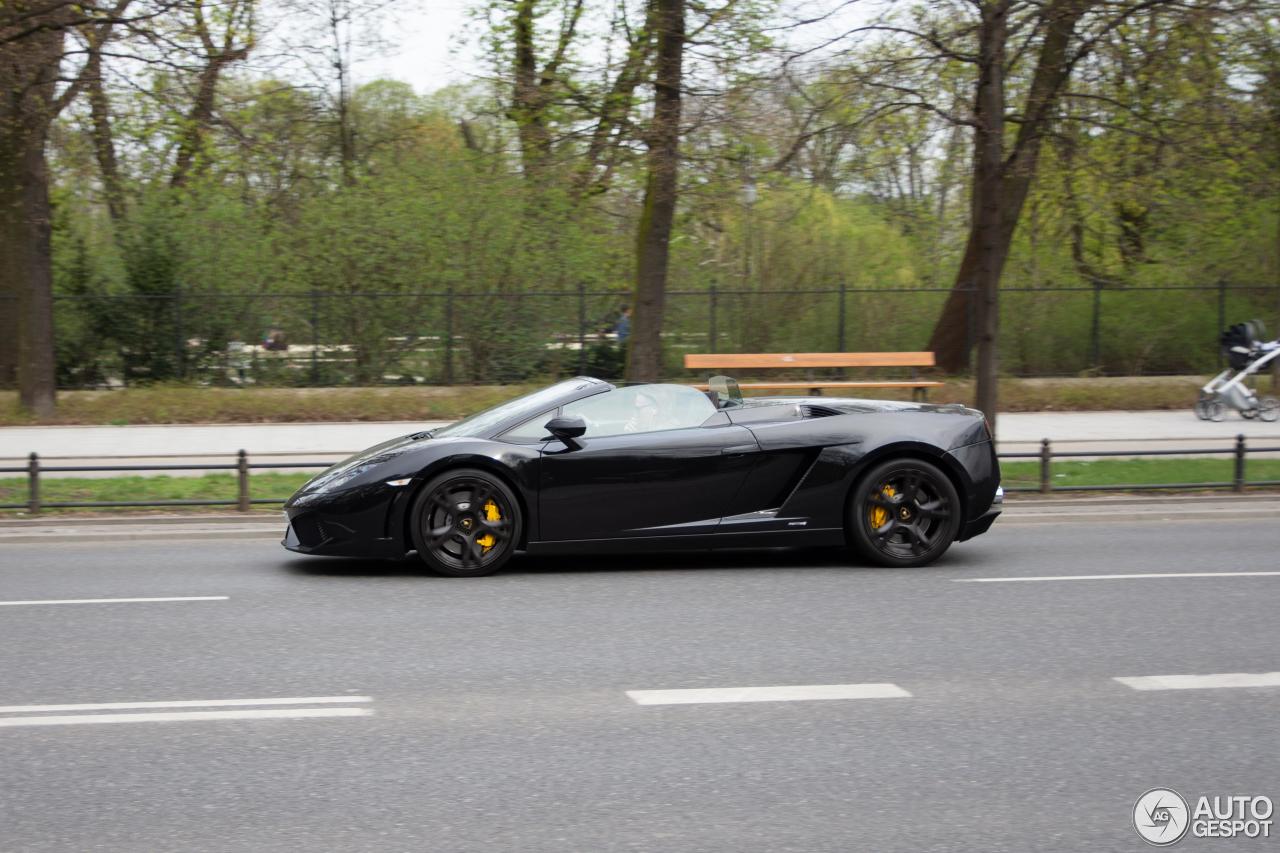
pixel 1019 58
pixel 1002 177
pixel 536 89
pixel 653 235
pixel 327 38
pixel 215 55
pixel 32 46
pixel 554 100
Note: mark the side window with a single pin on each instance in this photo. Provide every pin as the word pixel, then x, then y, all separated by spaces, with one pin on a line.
pixel 531 430
pixel 642 408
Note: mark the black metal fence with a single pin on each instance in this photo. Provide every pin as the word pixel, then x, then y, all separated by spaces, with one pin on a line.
pixel 1238 452
pixel 448 337
pixel 244 501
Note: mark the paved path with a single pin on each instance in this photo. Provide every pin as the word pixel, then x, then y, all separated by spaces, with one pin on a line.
pixel 329 442
pixel 229 696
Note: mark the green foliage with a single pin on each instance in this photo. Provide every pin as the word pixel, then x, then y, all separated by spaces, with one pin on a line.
pixel 435 258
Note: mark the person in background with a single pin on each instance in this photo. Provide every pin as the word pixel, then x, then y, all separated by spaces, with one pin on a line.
pixel 275 341
pixel 239 360
pixel 623 326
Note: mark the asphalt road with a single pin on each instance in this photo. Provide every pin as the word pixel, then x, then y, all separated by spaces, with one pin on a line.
pixel 493 714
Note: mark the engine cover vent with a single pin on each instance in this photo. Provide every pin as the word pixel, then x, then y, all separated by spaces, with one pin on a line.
pixel 810 410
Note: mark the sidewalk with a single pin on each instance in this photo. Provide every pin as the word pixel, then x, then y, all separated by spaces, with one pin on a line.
pixel 329 442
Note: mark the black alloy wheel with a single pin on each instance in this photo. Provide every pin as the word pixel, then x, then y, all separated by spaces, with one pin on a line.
pixel 465 523
pixel 904 512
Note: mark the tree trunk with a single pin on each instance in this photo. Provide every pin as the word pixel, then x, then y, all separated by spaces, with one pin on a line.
pixel 104 146
pixel 13 237
pixel 989 250
pixel 28 75
pixel 200 119
pixel 653 238
pixel 615 110
pixel 528 104
pixel 976 290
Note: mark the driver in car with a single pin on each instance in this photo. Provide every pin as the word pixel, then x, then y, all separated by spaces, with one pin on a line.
pixel 644 414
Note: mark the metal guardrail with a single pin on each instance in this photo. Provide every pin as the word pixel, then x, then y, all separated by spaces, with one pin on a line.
pixel 242 466
pixel 1238 482
pixel 244 501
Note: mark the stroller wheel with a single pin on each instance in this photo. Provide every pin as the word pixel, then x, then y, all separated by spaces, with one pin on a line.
pixel 1248 414
pixel 1216 411
pixel 1202 407
pixel 1269 409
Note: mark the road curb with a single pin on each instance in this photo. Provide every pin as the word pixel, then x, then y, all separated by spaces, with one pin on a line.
pixel 63 537
pixel 1017 513
pixel 274 517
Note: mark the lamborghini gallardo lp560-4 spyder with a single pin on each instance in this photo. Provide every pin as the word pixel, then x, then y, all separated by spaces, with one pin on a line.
pixel 589 467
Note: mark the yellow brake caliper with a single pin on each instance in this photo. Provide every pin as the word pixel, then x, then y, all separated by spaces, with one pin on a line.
pixel 490 514
pixel 880 515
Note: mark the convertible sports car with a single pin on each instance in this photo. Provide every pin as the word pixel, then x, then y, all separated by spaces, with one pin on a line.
pixel 586 466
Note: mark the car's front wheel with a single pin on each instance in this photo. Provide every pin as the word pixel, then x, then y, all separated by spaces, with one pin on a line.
pixel 465 523
pixel 904 512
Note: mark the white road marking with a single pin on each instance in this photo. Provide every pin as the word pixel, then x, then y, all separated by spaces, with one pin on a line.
pixel 1201 682
pixel 115 600
pixel 186 703
pixel 1119 577
pixel 784 693
pixel 183 716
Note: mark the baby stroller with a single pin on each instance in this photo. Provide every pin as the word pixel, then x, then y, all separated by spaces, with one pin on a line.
pixel 1246 353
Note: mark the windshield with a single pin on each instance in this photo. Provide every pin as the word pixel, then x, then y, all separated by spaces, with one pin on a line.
pixel 516 410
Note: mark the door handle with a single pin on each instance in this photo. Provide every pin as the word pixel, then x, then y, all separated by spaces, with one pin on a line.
pixel 738 449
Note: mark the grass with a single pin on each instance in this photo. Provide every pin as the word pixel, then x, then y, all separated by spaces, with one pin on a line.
pixel 210 487
pixel 1133 472
pixel 184 404
pixel 1106 472
pixel 176 404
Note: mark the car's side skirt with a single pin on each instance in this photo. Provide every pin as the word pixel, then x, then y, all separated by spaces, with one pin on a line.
pixel 820 537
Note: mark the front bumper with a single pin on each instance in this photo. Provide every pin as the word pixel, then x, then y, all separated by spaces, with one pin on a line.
pixel 983 523
pixel 350 524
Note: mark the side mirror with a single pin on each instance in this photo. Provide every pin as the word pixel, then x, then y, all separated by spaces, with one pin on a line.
pixel 567 429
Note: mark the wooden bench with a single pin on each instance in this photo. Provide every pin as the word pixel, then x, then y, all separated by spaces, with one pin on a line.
pixel 781 360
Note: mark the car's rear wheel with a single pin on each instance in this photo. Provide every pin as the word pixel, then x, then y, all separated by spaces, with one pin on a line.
pixel 905 512
pixel 465 523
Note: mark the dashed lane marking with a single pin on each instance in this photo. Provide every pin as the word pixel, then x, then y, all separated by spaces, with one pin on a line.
pixel 15 716
pixel 114 600
pixel 183 716
pixel 1201 682
pixel 781 693
pixel 1145 576
pixel 186 703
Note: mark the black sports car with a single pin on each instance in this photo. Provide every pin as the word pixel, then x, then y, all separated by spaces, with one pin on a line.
pixel 586 466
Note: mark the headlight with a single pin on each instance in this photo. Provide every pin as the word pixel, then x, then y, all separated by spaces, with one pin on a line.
pixel 336 477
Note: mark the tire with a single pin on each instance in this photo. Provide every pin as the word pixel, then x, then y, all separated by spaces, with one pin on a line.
pixel 904 513
pixel 1269 409
pixel 453 516
pixel 1216 410
pixel 1202 405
